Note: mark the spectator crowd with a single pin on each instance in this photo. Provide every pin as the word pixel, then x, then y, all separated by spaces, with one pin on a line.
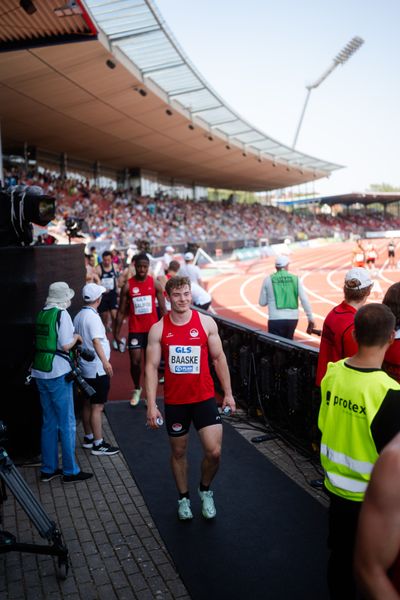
pixel 124 217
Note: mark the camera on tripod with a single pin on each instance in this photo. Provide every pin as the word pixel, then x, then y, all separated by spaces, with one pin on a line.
pixel 76 374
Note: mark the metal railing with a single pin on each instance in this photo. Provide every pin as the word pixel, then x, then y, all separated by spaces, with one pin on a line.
pixel 273 379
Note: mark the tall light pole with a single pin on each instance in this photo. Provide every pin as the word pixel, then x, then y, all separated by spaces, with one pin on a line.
pixel 339 59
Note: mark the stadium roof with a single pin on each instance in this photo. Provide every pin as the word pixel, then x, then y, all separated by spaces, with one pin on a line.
pixel 344 199
pixel 360 198
pixel 105 80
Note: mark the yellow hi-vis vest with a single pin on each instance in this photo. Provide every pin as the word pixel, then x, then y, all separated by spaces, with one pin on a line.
pixel 350 399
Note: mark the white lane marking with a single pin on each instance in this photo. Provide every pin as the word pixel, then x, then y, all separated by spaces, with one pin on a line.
pixel 244 298
pixel 221 282
pixel 234 307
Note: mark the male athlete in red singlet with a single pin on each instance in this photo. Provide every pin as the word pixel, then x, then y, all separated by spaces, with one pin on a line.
pixel 138 300
pixel 185 339
pixel 377 551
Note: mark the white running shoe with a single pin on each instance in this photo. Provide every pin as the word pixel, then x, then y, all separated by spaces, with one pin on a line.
pixel 184 510
pixel 136 397
pixel 208 507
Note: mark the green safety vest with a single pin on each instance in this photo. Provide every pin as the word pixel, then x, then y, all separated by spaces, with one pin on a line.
pixel 46 339
pixel 286 289
pixel 350 401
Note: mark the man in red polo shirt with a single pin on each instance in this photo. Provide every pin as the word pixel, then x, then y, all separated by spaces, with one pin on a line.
pixel 138 300
pixel 185 338
pixel 337 333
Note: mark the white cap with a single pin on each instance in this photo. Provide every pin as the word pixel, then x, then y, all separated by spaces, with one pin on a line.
pixel 59 291
pixel 188 256
pixel 281 262
pixel 92 292
pixel 361 276
pixel 169 249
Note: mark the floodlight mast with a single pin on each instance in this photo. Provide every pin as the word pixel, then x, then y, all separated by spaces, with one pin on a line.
pixel 343 56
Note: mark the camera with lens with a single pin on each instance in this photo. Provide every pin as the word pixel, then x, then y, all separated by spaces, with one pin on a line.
pixel 20 206
pixel 85 353
pixel 76 374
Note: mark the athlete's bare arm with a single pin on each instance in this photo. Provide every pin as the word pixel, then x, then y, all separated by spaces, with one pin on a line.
pixel 153 357
pixel 163 280
pixel 123 310
pixel 160 297
pixel 378 538
pixel 124 275
pixel 219 359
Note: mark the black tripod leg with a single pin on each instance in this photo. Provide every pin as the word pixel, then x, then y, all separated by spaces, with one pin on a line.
pixel 10 477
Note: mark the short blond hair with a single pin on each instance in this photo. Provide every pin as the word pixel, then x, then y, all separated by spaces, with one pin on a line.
pixel 175 283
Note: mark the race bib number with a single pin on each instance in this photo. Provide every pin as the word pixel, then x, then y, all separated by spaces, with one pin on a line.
pixel 108 283
pixel 142 305
pixel 184 359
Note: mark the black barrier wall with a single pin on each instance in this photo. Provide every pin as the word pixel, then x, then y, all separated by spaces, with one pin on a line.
pixel 25 274
pixel 274 379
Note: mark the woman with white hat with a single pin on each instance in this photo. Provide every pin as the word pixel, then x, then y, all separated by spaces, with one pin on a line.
pixel 54 338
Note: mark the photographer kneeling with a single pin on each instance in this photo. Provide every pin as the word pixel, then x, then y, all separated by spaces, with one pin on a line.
pixel 96 372
pixel 54 336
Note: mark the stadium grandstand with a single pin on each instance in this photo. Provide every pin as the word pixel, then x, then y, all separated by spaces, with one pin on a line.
pixel 103 111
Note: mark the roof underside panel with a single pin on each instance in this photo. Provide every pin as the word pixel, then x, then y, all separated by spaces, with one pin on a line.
pixel 137 28
pixel 17 24
pixel 128 97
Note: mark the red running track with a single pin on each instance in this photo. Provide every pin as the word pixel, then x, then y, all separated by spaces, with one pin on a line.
pixel 236 289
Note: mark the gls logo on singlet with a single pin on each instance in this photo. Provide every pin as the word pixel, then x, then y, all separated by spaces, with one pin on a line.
pixel 142 305
pixel 184 359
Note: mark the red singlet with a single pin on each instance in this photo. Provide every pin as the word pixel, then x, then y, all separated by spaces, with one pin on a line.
pixel 142 305
pixel 185 351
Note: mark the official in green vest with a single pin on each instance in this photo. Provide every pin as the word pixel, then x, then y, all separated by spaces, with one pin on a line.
pixel 359 415
pixel 281 293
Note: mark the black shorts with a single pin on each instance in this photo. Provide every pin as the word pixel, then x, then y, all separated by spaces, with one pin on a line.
pixel 137 341
pixel 391 253
pixel 178 417
pixel 109 301
pixel 101 384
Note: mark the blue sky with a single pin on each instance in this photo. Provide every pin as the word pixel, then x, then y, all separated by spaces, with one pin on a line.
pixel 259 55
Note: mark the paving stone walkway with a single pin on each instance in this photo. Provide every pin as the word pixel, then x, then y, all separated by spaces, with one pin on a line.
pixel 115 549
